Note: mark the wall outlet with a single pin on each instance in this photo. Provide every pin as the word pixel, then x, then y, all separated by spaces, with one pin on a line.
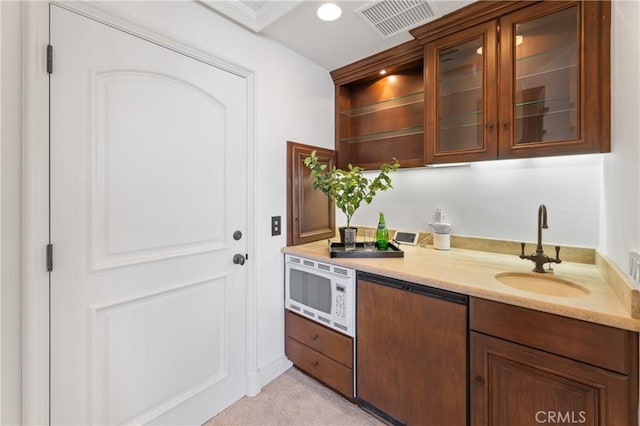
pixel 276 226
pixel 634 266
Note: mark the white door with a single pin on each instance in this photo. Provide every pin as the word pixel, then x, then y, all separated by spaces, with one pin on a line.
pixel 148 185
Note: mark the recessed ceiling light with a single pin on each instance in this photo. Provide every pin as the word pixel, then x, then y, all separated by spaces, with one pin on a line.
pixel 383 72
pixel 329 12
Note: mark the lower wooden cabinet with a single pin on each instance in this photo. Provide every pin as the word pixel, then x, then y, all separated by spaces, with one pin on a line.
pixel 425 356
pixel 320 352
pixel 531 368
pixel 411 352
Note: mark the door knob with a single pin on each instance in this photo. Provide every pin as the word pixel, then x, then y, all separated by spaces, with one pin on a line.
pixel 238 259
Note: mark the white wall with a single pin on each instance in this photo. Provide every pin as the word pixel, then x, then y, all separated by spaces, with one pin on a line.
pixel 621 182
pixel 498 199
pixel 10 222
pixel 293 101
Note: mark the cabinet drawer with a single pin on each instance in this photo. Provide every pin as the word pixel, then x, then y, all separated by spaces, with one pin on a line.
pixel 320 366
pixel 320 338
pixel 595 344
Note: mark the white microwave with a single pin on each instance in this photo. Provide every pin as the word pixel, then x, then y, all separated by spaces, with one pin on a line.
pixel 322 292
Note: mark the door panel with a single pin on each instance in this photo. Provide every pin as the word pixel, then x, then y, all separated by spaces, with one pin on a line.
pixel 153 223
pixel 148 184
pixel 518 385
pixel 310 214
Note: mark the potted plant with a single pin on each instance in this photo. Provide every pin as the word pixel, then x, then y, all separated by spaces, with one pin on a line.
pixel 348 188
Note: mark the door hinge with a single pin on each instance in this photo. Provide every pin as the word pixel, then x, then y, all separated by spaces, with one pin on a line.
pixel 49 58
pixel 49 257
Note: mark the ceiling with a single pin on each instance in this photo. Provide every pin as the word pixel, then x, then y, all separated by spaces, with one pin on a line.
pixel 331 45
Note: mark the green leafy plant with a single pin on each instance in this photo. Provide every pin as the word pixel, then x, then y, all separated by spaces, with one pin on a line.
pixel 349 188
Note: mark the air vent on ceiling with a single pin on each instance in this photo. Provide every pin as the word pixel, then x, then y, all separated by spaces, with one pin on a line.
pixel 389 17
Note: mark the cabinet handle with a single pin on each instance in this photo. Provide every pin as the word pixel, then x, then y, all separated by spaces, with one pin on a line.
pixel 314 338
pixel 490 126
pixel 505 125
pixel 315 363
pixel 479 381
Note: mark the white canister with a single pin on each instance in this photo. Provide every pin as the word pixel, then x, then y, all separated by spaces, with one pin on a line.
pixel 441 241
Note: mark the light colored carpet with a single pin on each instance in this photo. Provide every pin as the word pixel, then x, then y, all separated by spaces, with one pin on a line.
pixel 294 399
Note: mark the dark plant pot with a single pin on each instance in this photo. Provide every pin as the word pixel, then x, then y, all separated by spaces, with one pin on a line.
pixel 341 229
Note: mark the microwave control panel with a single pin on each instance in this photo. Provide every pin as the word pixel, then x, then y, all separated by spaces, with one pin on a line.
pixel 341 302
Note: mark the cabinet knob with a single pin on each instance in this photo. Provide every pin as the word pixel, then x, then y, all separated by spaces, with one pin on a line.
pixel 489 126
pixel 505 125
pixel 314 338
pixel 315 363
pixel 478 381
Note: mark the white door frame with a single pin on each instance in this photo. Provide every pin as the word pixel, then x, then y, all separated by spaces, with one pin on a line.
pixel 35 197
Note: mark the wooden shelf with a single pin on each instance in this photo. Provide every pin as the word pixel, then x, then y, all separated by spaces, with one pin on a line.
pixel 397 102
pixel 384 135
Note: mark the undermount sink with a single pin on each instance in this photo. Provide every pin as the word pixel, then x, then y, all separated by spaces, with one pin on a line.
pixel 542 284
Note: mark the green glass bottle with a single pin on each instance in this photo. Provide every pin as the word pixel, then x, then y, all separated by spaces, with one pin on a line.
pixel 382 233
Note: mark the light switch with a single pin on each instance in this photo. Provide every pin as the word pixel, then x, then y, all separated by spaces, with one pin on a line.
pixel 275 225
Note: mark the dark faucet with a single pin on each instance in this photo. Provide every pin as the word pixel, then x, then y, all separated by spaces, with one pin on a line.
pixel 539 258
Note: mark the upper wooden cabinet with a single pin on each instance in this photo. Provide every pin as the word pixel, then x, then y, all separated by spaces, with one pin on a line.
pixel 501 79
pixel 381 116
pixel 533 82
pixel 461 99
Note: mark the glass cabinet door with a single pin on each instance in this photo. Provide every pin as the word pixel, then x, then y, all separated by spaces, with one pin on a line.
pixel 540 97
pixel 461 83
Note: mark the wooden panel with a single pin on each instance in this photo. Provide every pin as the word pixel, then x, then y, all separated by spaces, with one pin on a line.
pixel 362 110
pixel 331 343
pixel 392 59
pixel 411 355
pixel 310 213
pixel 515 385
pixel 323 368
pixel 408 150
pixel 595 344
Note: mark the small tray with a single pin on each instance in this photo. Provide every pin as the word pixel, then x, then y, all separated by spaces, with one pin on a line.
pixel 337 250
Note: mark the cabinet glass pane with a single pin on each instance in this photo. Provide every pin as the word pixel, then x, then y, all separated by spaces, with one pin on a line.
pixel 547 78
pixel 460 92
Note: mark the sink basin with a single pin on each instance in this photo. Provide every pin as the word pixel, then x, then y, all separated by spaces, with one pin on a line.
pixel 542 284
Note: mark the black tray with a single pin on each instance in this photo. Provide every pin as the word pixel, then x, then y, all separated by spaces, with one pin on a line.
pixel 337 250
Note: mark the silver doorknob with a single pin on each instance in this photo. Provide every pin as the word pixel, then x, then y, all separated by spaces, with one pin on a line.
pixel 238 259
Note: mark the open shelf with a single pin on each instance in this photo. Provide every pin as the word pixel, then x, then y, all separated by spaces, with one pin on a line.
pixel 384 135
pixel 412 98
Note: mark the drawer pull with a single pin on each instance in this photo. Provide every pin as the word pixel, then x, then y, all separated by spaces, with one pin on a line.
pixel 315 363
pixel 314 338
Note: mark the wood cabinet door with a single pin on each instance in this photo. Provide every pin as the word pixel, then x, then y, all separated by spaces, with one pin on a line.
pixel 513 384
pixel 554 79
pixel 411 355
pixel 461 96
pixel 310 213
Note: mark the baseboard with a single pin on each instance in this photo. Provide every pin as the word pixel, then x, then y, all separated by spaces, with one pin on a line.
pixel 273 370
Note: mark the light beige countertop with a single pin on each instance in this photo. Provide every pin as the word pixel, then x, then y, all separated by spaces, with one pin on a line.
pixel 473 273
